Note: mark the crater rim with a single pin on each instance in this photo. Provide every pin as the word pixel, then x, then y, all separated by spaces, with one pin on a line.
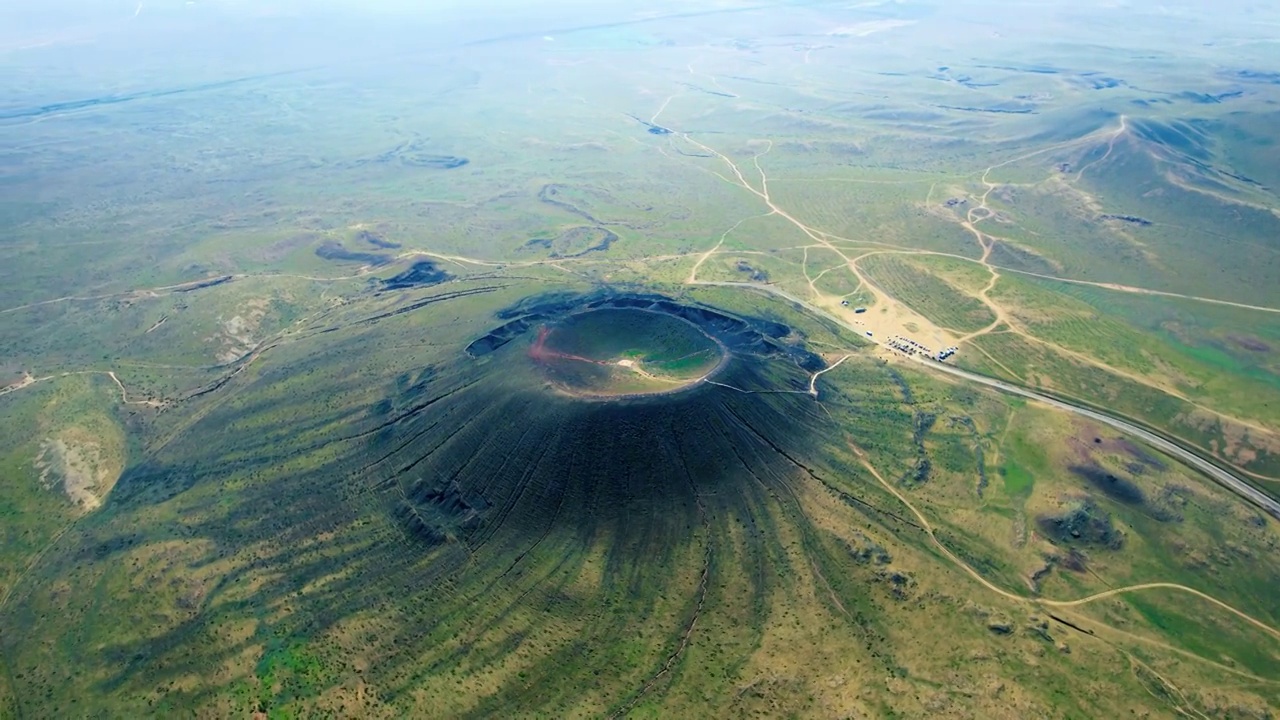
pixel 629 373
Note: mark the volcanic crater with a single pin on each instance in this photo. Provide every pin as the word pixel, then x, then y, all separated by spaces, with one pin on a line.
pixel 606 353
pixel 696 397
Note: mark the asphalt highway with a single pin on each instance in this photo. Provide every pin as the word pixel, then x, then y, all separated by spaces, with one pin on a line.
pixel 1219 474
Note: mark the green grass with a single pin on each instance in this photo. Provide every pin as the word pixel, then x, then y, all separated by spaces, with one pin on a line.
pixel 316 570
pixel 1235 340
pixel 1037 365
pixel 1017 480
pixel 651 336
pixel 928 294
pixel 1219 638
pixel 686 365
pixel 365 522
pixel 1161 347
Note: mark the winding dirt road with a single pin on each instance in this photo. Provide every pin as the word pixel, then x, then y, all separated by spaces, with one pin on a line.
pixel 822 239
pixel 928 528
pixel 1219 474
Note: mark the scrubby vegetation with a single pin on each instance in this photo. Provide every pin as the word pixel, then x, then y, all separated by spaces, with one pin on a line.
pixel 339 386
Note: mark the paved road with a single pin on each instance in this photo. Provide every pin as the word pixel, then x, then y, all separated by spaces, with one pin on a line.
pixel 1219 474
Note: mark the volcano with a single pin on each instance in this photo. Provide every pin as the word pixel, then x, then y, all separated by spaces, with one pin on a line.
pixel 683 400
pixel 556 499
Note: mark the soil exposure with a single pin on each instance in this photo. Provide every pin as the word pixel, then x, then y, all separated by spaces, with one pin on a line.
pixel 619 352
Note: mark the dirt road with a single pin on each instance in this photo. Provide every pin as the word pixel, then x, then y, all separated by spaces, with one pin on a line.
pixel 1220 475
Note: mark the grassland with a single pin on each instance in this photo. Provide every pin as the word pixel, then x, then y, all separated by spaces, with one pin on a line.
pixel 307 606
pixel 938 300
pixel 246 472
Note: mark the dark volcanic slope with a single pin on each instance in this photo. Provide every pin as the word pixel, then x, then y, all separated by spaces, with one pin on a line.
pixel 384 510
pixel 372 521
pixel 497 461
pixel 485 457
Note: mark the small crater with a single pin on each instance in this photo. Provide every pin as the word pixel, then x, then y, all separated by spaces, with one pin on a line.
pixel 330 250
pixel 1115 487
pixel 376 240
pixel 420 274
pixel 1085 524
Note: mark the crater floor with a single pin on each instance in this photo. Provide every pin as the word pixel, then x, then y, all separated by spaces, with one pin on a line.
pixel 609 352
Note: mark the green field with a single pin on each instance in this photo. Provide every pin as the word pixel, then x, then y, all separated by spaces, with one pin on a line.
pixel 932 296
pixel 337 376
pixel 609 352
